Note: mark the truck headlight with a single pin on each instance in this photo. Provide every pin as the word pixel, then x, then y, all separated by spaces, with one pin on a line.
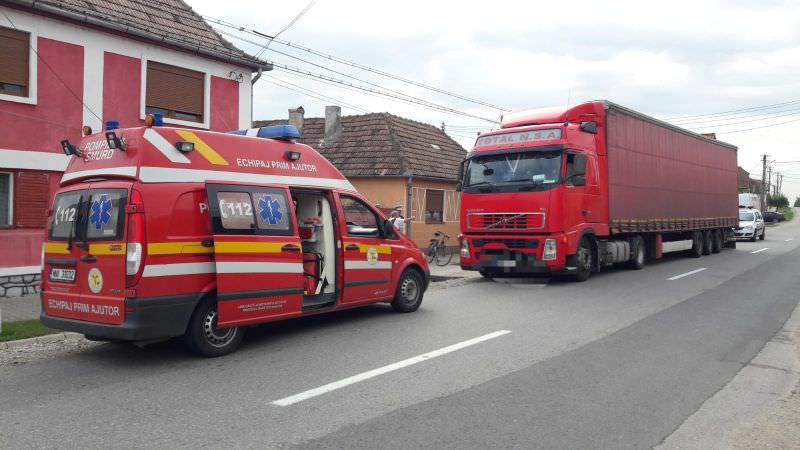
pixel 550 250
pixel 464 248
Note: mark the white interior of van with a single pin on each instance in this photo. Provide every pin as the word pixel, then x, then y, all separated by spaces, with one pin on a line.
pixel 315 208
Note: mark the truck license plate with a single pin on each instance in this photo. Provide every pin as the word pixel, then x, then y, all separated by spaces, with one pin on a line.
pixel 505 263
pixel 62 275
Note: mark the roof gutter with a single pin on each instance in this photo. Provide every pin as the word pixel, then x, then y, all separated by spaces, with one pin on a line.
pixel 35 4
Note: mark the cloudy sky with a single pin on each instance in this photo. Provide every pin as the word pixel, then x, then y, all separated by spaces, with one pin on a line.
pixel 666 59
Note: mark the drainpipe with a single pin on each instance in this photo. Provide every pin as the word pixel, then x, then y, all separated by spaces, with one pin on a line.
pixel 409 199
pixel 253 82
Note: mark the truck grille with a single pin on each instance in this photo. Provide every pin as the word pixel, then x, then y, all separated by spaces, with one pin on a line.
pixel 506 221
pixel 510 243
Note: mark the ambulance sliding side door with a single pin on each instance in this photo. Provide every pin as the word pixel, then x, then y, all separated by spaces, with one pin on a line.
pixel 257 253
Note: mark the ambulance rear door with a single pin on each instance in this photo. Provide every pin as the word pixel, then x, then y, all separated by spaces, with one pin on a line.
pixel 257 251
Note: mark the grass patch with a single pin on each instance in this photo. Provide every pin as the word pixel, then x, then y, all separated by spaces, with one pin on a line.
pixel 788 212
pixel 24 329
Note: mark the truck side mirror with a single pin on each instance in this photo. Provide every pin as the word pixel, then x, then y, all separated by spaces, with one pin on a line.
pixel 460 174
pixel 589 127
pixel 578 180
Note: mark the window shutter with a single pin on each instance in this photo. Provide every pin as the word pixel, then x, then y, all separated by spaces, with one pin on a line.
pixel 174 88
pixel 32 192
pixel 14 52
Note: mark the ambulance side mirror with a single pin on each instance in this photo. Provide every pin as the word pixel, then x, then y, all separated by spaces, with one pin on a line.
pixel 388 231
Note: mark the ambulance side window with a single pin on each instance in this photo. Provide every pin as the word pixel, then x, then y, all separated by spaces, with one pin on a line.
pixel 250 210
pixel 235 210
pixel 360 219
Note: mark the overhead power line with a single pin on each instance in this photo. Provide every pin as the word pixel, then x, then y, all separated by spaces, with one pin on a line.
pixel 765 115
pixel 353 64
pixel 288 25
pixel 754 108
pixel 305 91
pixel 758 128
pixel 744 121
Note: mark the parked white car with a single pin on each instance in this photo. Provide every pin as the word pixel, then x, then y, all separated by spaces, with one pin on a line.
pixel 751 224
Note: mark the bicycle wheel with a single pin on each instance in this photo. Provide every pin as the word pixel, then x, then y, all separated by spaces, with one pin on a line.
pixel 444 255
pixel 431 252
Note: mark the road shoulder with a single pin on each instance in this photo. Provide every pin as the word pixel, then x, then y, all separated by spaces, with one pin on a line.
pixel 758 408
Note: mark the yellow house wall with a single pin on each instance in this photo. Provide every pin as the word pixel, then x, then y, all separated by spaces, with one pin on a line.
pixel 390 192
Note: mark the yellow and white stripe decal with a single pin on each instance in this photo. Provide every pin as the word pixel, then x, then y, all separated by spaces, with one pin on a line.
pixel 166 270
pixel 107 249
pixel 204 149
pixel 367 265
pixel 165 147
pixel 177 248
pixel 56 247
pixel 363 248
pixel 150 174
pixel 258 267
pixel 248 247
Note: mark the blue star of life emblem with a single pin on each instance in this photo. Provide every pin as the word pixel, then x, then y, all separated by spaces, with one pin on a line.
pixel 270 210
pixel 101 211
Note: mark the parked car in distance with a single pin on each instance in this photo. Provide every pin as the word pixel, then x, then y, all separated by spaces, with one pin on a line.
pixel 751 224
pixel 774 216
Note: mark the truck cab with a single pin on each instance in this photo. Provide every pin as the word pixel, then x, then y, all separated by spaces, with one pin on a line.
pixel 161 232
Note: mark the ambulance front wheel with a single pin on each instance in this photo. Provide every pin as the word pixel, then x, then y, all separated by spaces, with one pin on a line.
pixel 205 339
pixel 409 292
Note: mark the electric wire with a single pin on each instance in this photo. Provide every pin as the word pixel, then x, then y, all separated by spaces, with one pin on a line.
pixel 755 108
pixel 744 121
pixel 289 25
pixel 737 117
pixel 352 63
pixel 308 92
pixel 758 128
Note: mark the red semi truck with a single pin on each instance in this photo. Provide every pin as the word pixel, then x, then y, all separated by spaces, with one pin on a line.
pixel 571 190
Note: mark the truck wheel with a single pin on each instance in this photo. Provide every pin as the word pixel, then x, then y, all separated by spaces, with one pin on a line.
pixel 707 242
pixel 637 253
pixel 763 234
pixel 408 296
pixel 583 261
pixel 205 339
pixel 717 241
pixel 697 245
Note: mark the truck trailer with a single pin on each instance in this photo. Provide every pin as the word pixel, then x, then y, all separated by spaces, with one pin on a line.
pixel 574 189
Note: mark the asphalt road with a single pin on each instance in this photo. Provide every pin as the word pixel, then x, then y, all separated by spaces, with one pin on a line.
pixel 617 362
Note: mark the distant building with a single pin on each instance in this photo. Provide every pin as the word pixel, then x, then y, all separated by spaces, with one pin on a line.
pixel 66 64
pixel 747 184
pixel 392 161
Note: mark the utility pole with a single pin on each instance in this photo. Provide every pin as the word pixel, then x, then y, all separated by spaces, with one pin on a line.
pixel 763 182
pixel 769 186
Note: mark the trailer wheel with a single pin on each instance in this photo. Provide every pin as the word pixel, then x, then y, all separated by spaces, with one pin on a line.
pixel 584 261
pixel 697 245
pixel 708 243
pixel 637 253
pixel 409 292
pixel 205 339
pixel 717 243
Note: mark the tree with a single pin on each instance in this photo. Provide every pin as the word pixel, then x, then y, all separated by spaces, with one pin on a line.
pixel 777 201
pixel 797 202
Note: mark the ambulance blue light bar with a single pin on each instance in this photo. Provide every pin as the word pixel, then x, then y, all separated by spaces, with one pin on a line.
pixel 273 132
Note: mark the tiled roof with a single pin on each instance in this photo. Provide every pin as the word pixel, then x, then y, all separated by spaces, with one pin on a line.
pixel 168 21
pixel 382 144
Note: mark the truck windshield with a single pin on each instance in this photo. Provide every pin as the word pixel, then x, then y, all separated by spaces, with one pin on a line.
pixel 526 170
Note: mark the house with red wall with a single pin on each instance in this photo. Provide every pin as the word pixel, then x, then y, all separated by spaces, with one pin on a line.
pixel 69 64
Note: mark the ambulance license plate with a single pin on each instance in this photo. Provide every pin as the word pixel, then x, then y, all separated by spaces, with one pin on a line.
pixel 67 275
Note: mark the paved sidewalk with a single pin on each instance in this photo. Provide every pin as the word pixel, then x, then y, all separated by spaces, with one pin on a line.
pixel 450 271
pixel 20 308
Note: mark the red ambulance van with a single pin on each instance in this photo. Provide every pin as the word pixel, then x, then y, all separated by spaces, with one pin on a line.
pixel 163 232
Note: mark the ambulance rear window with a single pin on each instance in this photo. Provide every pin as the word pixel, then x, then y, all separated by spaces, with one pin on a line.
pixel 88 215
pixel 65 212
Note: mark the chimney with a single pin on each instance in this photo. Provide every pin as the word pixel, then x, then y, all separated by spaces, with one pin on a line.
pixel 297 117
pixel 333 123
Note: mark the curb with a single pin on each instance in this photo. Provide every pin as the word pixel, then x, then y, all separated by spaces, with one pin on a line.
pixel 46 339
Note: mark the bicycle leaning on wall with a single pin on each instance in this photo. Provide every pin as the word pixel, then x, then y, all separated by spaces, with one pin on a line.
pixel 438 250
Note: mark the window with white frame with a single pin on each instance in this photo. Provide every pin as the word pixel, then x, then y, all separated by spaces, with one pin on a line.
pixel 174 92
pixel 6 195
pixel 14 63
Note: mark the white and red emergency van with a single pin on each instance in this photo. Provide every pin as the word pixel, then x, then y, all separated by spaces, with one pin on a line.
pixel 163 232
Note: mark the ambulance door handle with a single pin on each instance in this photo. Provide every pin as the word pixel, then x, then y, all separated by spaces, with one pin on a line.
pixel 290 248
pixel 352 248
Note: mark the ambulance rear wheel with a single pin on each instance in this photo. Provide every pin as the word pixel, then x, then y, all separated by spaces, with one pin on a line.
pixel 205 339
pixel 409 292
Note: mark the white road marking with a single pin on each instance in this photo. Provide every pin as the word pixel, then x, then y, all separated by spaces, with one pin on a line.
pixel 760 250
pixel 311 393
pixel 790 239
pixel 686 274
